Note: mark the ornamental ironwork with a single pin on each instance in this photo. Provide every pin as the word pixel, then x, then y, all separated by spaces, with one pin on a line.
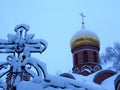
pixel 19 62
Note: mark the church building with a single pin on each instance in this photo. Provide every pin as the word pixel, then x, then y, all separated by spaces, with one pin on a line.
pixel 85 47
pixel 23 72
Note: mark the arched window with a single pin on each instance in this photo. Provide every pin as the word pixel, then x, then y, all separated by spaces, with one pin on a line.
pixel 95 56
pixel 85 56
pixel 76 59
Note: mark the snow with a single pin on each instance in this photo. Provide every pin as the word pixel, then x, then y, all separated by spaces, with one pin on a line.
pixel 59 83
pixel 22 25
pixel 41 80
pixel 37 64
pixel 28 86
pixel 30 36
pixel 3 41
pixel 2 85
pixel 22 45
pixel 84 32
pixel 109 82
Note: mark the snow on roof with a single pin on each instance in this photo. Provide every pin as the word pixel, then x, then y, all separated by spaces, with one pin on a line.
pixel 61 83
pixel 54 82
pixel 109 82
pixel 50 82
pixel 84 32
pixel 89 79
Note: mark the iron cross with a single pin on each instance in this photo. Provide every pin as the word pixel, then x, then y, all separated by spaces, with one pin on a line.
pixel 22 42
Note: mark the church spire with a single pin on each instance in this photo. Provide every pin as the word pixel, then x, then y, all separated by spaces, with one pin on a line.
pixel 83 16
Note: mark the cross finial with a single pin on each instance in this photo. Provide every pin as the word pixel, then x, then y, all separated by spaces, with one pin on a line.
pixel 83 16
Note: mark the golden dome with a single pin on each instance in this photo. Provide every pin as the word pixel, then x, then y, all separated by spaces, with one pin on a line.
pixel 84 37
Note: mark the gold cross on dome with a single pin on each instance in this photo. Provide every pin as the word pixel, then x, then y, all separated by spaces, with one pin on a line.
pixel 83 16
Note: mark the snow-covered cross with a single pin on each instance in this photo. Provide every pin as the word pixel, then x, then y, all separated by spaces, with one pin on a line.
pixel 19 64
pixel 22 42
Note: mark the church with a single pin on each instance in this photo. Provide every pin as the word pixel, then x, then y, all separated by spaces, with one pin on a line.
pixel 85 46
pixel 87 73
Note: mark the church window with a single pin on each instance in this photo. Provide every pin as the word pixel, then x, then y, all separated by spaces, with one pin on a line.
pixel 76 59
pixel 85 56
pixel 95 56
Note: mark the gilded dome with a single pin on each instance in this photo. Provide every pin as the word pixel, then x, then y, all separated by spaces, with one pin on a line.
pixel 84 37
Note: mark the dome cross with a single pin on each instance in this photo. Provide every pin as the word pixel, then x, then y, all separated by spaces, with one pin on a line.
pixel 83 16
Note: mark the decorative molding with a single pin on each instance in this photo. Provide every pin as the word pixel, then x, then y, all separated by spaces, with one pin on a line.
pixel 76 70
pixel 86 68
pixel 77 51
pixel 96 68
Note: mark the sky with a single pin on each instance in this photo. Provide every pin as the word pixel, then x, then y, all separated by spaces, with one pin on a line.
pixel 56 21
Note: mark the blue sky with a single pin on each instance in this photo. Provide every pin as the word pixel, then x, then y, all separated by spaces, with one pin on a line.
pixel 57 20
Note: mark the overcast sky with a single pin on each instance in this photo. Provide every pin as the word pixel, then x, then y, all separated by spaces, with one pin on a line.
pixel 57 20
